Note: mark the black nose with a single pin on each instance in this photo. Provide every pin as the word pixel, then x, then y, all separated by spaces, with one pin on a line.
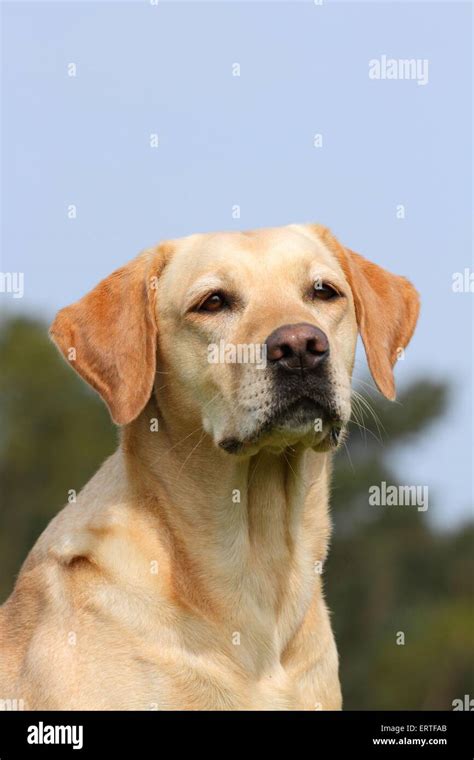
pixel 297 347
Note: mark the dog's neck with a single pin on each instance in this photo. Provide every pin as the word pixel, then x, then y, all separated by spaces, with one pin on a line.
pixel 245 537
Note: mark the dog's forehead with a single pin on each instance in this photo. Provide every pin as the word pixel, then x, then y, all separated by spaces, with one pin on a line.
pixel 277 251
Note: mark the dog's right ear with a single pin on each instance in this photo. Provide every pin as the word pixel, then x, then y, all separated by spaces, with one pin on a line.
pixel 109 336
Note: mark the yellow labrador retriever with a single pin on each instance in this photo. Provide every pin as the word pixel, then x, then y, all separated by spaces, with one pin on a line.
pixel 187 575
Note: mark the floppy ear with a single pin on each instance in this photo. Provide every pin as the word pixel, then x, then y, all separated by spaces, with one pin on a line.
pixel 109 336
pixel 387 308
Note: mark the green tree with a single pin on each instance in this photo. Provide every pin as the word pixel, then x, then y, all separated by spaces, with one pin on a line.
pixel 391 577
pixel 55 432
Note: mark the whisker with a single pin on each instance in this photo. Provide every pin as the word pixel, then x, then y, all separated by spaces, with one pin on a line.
pixel 359 419
pixel 366 430
pixel 366 405
pixel 191 452
pixel 349 456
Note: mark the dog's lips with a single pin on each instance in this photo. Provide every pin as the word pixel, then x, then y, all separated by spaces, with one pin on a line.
pixel 303 416
pixel 299 413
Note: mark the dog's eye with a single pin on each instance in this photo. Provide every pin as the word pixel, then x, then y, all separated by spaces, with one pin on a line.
pixel 323 291
pixel 214 302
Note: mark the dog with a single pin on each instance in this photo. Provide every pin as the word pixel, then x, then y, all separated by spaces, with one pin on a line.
pixel 188 574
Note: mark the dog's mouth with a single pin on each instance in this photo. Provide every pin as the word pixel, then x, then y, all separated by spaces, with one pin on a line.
pixel 313 418
pixel 300 413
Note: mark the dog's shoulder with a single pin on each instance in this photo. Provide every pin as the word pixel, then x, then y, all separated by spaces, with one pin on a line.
pixel 97 567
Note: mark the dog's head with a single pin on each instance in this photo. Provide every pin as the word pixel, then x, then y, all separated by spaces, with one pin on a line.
pixel 251 335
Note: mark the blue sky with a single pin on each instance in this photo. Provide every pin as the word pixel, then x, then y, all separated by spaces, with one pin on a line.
pixel 166 69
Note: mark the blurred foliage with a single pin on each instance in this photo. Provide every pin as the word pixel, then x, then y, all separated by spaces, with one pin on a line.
pixel 388 571
pixel 55 432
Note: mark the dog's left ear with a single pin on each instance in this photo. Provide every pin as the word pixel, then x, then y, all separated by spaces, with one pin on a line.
pixel 386 306
pixel 109 336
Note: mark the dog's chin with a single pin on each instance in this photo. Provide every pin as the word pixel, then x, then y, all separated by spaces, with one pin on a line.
pixel 304 422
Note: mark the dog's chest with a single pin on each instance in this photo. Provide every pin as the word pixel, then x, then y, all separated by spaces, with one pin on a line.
pixel 171 682
pixel 158 659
